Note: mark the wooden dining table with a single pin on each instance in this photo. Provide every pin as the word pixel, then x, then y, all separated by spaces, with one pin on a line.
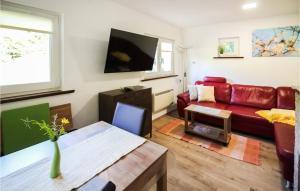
pixel 138 170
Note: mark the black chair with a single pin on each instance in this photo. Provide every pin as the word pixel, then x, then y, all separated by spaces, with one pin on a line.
pixel 129 118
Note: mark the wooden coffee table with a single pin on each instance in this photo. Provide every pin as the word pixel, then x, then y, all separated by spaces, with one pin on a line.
pixel 219 134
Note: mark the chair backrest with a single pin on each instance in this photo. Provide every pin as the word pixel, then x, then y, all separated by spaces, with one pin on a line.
pixel 15 135
pixel 62 111
pixel 129 118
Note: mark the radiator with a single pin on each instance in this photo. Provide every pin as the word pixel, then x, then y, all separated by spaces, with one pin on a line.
pixel 162 100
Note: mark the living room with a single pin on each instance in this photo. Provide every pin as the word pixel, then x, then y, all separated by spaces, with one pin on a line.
pixel 242 51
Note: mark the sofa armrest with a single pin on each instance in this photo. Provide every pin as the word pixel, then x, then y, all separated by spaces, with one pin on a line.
pixel 185 97
pixel 182 102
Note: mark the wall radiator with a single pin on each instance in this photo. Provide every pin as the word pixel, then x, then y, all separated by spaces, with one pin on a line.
pixel 162 100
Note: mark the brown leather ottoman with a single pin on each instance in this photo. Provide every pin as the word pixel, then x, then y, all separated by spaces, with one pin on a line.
pixel 285 142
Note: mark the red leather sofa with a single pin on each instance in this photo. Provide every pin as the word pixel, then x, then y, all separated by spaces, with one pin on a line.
pixel 244 101
pixel 285 142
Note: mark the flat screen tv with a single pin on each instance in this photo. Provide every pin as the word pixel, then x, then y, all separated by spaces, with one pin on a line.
pixel 129 52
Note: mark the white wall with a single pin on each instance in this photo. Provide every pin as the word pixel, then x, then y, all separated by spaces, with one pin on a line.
pixel 87 26
pixel 203 42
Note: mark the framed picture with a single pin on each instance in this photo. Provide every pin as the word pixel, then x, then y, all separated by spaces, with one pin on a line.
pixel 229 46
pixel 276 42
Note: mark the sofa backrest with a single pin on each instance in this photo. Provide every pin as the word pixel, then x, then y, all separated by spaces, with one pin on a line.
pixel 286 98
pixel 222 90
pixel 214 79
pixel 255 96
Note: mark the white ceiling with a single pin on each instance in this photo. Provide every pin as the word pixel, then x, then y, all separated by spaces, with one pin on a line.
pixel 188 13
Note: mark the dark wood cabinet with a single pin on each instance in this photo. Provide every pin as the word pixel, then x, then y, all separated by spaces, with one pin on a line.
pixel 140 96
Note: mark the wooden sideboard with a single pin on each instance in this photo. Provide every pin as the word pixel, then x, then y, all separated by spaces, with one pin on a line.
pixel 140 96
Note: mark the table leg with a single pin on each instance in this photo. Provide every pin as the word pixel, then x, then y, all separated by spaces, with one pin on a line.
pixel 225 130
pixel 162 183
pixel 186 120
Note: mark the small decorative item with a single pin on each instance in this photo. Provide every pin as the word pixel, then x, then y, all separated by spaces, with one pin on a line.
pixel 220 50
pixel 280 41
pixel 54 131
pixel 231 46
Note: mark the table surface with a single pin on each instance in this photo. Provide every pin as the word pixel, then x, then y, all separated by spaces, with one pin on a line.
pixel 131 172
pixel 220 113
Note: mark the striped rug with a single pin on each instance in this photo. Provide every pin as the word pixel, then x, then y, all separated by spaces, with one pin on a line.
pixel 239 147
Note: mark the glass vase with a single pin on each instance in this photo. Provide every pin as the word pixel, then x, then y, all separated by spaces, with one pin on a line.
pixel 55 166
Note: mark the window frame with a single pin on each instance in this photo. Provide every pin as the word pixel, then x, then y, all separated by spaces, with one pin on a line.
pixel 56 54
pixel 158 58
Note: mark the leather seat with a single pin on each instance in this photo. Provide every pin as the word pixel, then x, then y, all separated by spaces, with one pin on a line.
pixel 245 120
pixel 285 142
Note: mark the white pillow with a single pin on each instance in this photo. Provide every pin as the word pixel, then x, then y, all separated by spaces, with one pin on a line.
pixel 193 92
pixel 206 93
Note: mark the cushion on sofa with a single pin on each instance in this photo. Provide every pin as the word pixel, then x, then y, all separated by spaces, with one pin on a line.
pixel 285 98
pixel 206 93
pixel 222 91
pixel 214 79
pixel 254 96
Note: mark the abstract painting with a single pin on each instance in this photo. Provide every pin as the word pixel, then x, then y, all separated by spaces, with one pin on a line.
pixel 280 41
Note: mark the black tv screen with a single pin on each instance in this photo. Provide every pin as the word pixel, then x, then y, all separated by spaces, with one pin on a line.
pixel 128 52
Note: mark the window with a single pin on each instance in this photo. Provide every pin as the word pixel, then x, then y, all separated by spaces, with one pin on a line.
pixel 30 53
pixel 164 61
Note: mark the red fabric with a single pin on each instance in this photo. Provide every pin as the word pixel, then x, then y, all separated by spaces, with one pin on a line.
pixel 286 98
pixel 285 142
pixel 254 96
pixel 214 79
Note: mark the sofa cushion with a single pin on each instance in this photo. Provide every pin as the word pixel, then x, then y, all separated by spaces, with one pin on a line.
pixel 245 120
pixel 206 93
pixel 214 79
pixel 285 98
pixel 246 112
pixel 285 142
pixel 222 90
pixel 254 96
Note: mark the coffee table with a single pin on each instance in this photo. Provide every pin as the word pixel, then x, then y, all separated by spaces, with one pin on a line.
pixel 222 134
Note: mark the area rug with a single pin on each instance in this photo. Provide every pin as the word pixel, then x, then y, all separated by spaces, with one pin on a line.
pixel 240 147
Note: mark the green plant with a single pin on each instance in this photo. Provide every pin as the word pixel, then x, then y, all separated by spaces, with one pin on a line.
pixel 221 49
pixel 53 130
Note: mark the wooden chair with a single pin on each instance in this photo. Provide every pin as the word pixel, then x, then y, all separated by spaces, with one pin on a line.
pixel 63 111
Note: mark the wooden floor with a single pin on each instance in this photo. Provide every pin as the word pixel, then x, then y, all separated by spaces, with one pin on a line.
pixel 191 167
